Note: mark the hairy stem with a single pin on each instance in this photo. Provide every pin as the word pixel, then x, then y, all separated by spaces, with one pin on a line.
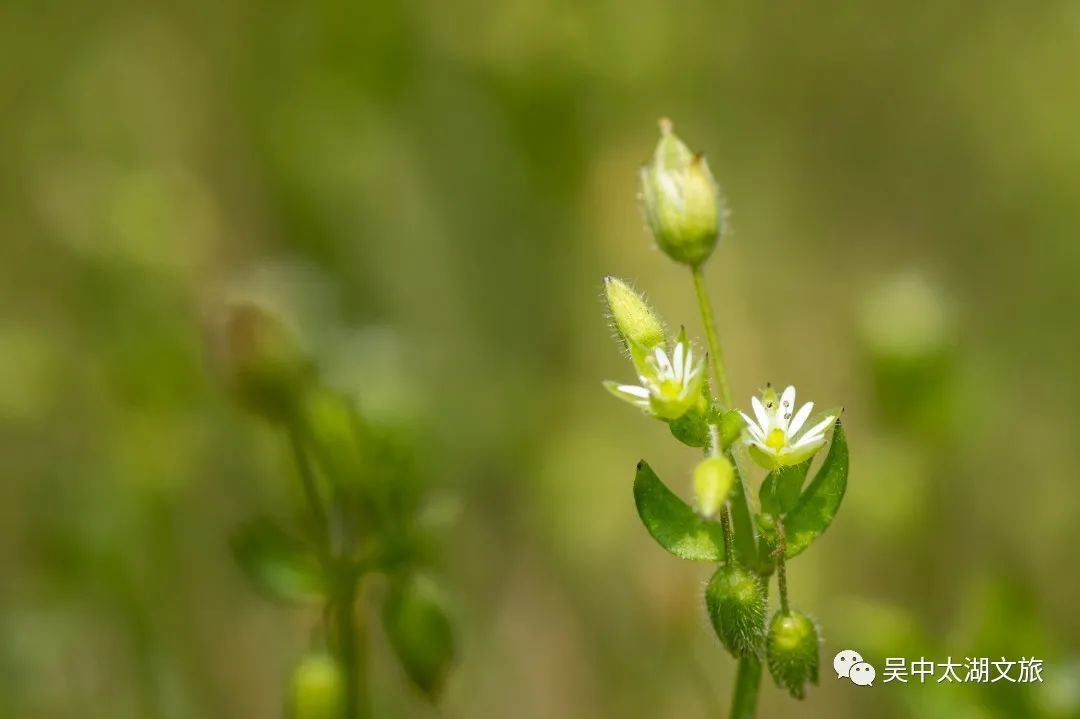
pixel 747 683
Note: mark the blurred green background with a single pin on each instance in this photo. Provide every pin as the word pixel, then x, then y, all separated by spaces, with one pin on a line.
pixel 431 192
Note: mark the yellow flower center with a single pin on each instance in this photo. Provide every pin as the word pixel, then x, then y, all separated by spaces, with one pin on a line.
pixel 776 440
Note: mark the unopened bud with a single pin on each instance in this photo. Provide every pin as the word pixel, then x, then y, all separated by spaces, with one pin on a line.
pixel 262 362
pixel 683 205
pixel 713 479
pixel 317 689
pixel 792 652
pixel 634 320
pixel 735 599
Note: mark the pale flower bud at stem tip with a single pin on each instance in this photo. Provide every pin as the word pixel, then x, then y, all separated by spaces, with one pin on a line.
pixel 634 320
pixel 682 202
pixel 713 479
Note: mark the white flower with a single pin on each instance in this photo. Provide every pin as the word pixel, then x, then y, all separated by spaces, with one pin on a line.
pixel 670 384
pixel 773 439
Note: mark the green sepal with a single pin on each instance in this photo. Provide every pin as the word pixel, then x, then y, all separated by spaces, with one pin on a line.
pixel 735 599
pixel 692 429
pixel 780 490
pixel 672 522
pixel 746 544
pixel 420 633
pixel 818 504
pixel 279 565
pixel 792 652
pixel 731 427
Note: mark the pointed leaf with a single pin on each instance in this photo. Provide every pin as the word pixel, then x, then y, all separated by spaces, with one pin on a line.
pixel 672 523
pixel 817 506
pixel 780 490
pixel 420 633
pixel 746 549
pixel 277 563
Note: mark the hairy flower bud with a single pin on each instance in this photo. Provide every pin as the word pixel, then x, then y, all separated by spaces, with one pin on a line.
pixel 683 205
pixel 735 599
pixel 317 688
pixel 262 362
pixel 792 652
pixel 632 316
pixel 713 479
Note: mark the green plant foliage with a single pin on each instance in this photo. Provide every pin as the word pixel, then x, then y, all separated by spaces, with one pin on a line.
pixel 420 633
pixel 277 563
pixel 792 652
pixel 819 503
pixel 672 523
pixel 781 488
pixel 735 599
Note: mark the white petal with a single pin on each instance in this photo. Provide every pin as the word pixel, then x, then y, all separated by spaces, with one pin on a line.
pixel 787 406
pixel 634 390
pixel 808 439
pixel 677 360
pixel 761 414
pixel 800 418
pixel 689 361
pixel 763 447
pixel 663 364
pixel 819 427
pixel 752 427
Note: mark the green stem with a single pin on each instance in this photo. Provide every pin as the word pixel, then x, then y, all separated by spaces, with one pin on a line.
pixel 747 683
pixel 311 493
pixel 349 648
pixel 781 564
pixel 716 355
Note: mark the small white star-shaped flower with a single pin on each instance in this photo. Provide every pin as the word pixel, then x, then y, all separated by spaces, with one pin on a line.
pixel 773 436
pixel 670 384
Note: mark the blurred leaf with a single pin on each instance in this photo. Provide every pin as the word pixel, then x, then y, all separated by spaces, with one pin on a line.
pixel 692 429
pixel 817 506
pixel 731 426
pixel 672 523
pixel 780 490
pixel 420 633
pixel 276 562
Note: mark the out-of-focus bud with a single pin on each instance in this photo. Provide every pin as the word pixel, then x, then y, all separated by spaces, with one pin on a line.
pixel 735 599
pixel 713 480
pixel 792 652
pixel 317 689
pixel 683 204
pixel 262 362
pixel 634 320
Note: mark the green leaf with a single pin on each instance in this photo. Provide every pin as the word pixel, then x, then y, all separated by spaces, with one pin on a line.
pixel 746 548
pixel 672 523
pixel 420 633
pixel 277 563
pixel 817 506
pixel 692 429
pixel 780 490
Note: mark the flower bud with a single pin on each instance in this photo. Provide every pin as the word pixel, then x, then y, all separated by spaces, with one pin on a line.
pixel 262 362
pixel 634 320
pixel 317 688
pixel 735 599
pixel 792 652
pixel 683 205
pixel 713 479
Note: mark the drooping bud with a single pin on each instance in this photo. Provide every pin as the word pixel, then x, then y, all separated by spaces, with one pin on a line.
pixel 683 204
pixel 261 361
pixel 713 480
pixel 735 599
pixel 632 316
pixel 317 688
pixel 792 652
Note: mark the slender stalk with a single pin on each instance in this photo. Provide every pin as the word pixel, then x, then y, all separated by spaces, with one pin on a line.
pixel 311 492
pixel 716 354
pixel 747 683
pixel 350 649
pixel 781 564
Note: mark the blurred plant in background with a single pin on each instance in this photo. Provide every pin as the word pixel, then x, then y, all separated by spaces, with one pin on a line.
pixel 362 495
pixel 686 213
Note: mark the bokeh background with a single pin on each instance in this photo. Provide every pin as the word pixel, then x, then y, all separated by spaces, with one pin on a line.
pixel 431 192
